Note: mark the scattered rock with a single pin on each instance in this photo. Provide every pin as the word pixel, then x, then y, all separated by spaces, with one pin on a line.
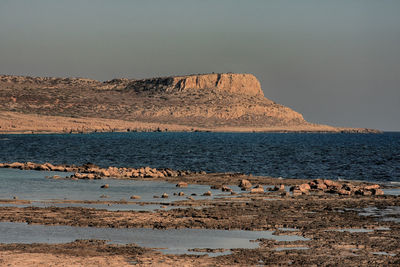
pixel 182 184
pixel 181 194
pixel 105 186
pixel 135 197
pixel 330 183
pixel 344 192
pixel 257 189
pixel 245 184
pixel 165 195
pixel 370 187
pixel 215 187
pixel 378 192
pixel 304 188
pixel 366 193
pixel 225 188
pixel 208 193
pixel 296 192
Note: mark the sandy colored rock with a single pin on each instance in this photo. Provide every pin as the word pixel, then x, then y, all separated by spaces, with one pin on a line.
pixel 245 184
pixel 257 190
pixel 226 188
pixel 304 188
pixel 377 192
pixel 105 186
pixel 330 183
pixel 135 197
pixel 370 187
pixel 344 192
pixel 296 192
pixel 182 184
pixel 208 193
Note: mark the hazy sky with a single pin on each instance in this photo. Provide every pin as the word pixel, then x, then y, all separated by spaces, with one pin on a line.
pixel 335 61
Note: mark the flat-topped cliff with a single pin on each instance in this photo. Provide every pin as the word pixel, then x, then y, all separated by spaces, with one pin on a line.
pixel 225 101
pixel 244 84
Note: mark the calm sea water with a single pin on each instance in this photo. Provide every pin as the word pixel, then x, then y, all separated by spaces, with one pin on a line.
pixel 373 157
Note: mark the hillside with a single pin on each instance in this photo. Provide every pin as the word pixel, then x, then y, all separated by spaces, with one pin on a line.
pixel 215 102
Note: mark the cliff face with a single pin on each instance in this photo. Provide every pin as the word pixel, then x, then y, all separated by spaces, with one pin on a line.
pixel 207 100
pixel 245 84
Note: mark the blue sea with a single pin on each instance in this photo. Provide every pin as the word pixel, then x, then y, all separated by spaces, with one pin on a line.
pixel 372 157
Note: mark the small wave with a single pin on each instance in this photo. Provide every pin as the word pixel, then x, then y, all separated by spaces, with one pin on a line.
pixel 4 139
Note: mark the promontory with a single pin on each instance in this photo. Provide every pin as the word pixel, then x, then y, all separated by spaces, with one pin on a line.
pixel 203 102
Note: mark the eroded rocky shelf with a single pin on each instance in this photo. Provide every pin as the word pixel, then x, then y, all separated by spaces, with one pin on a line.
pixel 329 227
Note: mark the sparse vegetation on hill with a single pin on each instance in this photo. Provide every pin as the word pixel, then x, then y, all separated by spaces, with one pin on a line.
pixel 205 102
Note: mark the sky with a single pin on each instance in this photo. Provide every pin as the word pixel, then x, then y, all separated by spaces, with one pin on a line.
pixel 336 62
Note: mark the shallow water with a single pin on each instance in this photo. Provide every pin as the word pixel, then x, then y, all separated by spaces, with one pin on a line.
pixel 290 248
pixel 32 185
pixel 110 207
pixel 384 254
pixel 392 191
pixel 176 241
pixel 354 230
pixel 391 214
pixel 373 157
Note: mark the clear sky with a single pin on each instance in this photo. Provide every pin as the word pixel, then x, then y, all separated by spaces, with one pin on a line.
pixel 335 61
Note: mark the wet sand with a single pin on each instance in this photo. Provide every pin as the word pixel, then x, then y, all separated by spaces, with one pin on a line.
pixel 338 230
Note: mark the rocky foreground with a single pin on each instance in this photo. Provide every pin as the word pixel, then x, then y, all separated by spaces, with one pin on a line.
pixel 183 177
pixel 206 102
pixel 346 223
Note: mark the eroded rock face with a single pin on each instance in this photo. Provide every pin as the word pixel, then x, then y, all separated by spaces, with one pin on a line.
pixel 246 84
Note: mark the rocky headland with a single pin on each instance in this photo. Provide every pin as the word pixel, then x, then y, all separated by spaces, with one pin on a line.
pixel 204 102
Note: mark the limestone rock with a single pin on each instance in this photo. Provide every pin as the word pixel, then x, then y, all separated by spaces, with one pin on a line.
pixel 305 188
pixel 377 192
pixel 370 187
pixel 258 189
pixel 208 193
pixel 182 184
pixel 225 188
pixel 245 184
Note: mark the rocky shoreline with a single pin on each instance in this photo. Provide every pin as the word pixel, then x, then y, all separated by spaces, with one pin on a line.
pixel 331 215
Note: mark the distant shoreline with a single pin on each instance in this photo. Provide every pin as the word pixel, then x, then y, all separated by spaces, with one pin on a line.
pixel 19 123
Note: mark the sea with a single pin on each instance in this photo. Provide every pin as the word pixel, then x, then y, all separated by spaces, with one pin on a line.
pixel 369 157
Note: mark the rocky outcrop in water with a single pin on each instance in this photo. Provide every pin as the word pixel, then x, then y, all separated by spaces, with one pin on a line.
pixel 91 171
pixel 334 187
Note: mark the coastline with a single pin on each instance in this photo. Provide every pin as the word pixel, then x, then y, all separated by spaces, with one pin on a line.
pixel 19 123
